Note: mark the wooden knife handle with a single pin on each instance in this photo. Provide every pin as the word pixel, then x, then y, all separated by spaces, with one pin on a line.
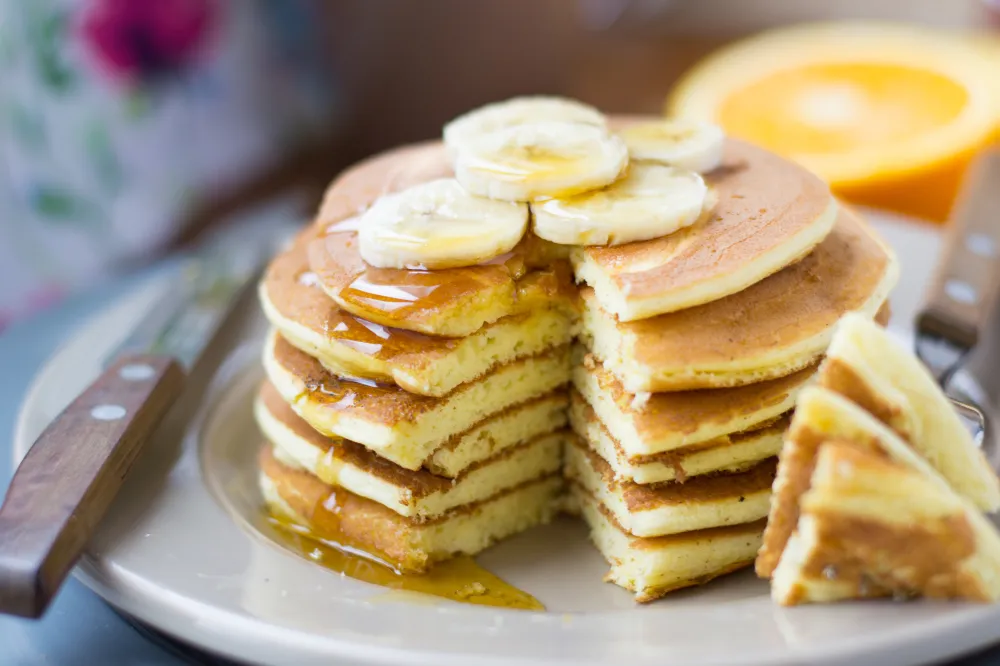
pixel 66 482
pixel 965 286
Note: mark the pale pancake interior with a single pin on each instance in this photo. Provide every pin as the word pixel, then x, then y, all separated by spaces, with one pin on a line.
pixel 652 567
pixel 412 546
pixel 730 453
pixel 414 494
pixel 668 421
pixel 865 365
pixel 672 508
pixel 870 526
pixel 399 426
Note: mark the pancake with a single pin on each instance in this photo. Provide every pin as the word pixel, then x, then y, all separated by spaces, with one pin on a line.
pixel 654 423
pixel 340 516
pixel 652 567
pixel 774 328
pixel 454 302
pixel 822 416
pixel 672 508
pixel 866 366
pixel 769 212
pixel 870 527
pixel 419 494
pixel 729 453
pixel 403 427
pixel 306 317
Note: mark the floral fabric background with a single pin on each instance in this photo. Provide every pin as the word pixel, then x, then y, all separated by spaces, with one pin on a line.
pixel 117 115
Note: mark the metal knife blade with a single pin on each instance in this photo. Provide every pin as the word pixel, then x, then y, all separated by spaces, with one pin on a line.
pixel 210 283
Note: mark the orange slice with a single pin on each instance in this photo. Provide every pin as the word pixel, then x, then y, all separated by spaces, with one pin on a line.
pixel 889 115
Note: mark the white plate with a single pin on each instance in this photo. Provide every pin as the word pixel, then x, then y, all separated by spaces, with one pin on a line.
pixel 178 552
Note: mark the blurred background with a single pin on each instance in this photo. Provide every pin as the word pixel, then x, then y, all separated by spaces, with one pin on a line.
pixel 129 128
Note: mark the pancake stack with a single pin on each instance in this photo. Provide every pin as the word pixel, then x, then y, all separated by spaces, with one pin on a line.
pixel 685 285
pixel 697 345
pixel 385 435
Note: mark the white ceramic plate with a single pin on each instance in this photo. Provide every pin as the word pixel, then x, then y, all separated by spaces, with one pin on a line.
pixel 179 552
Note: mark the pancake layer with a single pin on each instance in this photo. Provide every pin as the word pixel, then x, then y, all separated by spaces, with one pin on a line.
pixel 729 453
pixel 419 495
pixel 884 528
pixel 869 368
pixel 340 516
pixel 453 302
pixel 672 508
pixel 403 427
pixel 769 212
pixel 428 365
pixel 659 422
pixel 652 567
pixel 771 329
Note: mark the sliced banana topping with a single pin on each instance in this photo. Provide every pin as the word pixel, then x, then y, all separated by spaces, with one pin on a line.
pixel 436 225
pixel 517 111
pixel 686 144
pixel 539 160
pixel 652 200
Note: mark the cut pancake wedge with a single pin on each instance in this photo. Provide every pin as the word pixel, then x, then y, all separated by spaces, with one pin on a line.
pixel 729 453
pixel 419 495
pixel 866 366
pixel 296 495
pixel 672 508
pixel 654 423
pixel 871 526
pixel 652 567
pixel 769 212
pixel 402 427
pixel 306 316
pixel 774 328
pixel 823 416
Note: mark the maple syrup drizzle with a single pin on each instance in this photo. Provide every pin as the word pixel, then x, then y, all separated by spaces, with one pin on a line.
pixel 458 579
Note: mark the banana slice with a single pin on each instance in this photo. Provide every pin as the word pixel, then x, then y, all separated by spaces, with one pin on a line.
pixel 438 225
pixel 686 144
pixel 652 200
pixel 517 111
pixel 537 160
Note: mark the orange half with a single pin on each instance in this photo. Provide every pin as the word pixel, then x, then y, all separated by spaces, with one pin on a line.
pixel 889 115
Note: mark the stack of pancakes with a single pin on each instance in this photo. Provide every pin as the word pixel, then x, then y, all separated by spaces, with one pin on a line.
pixel 413 415
pixel 697 344
pixel 418 414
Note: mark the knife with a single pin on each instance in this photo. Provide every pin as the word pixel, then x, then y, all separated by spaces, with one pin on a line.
pixel 965 288
pixel 66 482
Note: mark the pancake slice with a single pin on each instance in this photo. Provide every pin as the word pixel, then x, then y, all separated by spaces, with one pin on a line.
pixel 653 423
pixel 306 317
pixel 729 453
pixel 870 526
pixel 672 508
pixel 419 495
pixel 339 516
pixel 868 367
pixel 403 427
pixel 652 567
pixel 771 329
pixel 769 212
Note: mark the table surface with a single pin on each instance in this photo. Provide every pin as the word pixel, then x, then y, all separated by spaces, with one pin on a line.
pixel 79 628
